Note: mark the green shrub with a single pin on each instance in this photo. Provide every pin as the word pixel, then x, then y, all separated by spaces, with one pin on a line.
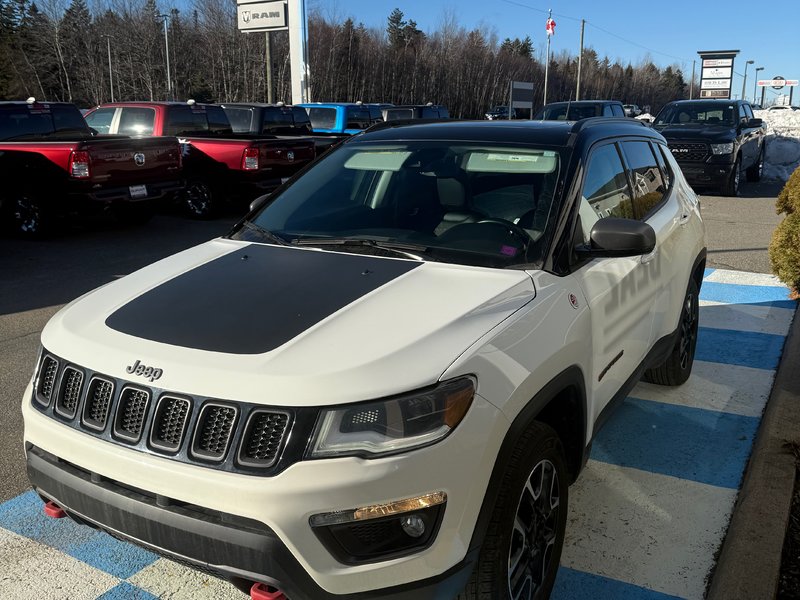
pixel 784 249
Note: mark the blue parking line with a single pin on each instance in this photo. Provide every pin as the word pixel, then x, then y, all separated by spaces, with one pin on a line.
pixel 23 515
pixel 742 348
pixel 706 273
pixel 126 591
pixel 579 585
pixel 735 293
pixel 701 445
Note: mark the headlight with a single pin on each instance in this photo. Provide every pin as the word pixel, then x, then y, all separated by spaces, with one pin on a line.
pixel 394 425
pixel 722 148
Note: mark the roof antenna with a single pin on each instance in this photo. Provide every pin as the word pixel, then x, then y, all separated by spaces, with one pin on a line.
pixel 569 102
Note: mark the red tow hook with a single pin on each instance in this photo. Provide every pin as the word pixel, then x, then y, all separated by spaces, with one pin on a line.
pixel 261 591
pixel 51 509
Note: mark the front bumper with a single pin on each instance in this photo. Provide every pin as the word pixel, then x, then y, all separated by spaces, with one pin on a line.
pixel 256 528
pixel 224 545
pixel 94 194
pixel 710 174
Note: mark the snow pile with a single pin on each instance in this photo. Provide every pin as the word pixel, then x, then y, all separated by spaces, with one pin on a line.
pixel 783 143
pixel 646 117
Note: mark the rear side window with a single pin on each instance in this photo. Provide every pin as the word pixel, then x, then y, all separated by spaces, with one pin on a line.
pixel 136 121
pixel 605 186
pixel 100 120
pixel 240 117
pixel 68 118
pixel 356 117
pixel 322 118
pixel 648 185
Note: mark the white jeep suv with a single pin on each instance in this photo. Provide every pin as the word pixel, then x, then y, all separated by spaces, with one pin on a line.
pixel 383 381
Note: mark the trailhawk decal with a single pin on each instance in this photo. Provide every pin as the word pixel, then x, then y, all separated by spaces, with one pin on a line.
pixel 253 300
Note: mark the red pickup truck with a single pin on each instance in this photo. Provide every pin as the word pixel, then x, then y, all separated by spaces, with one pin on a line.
pixel 218 164
pixel 55 167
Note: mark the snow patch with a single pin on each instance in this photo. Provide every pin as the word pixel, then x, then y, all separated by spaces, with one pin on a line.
pixel 783 143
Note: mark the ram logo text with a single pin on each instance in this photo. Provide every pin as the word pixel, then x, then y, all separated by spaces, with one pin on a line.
pixel 138 368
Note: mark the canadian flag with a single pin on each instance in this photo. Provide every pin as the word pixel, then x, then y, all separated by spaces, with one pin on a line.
pixel 550 27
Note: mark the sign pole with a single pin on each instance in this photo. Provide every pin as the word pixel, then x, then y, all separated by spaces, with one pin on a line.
pixel 297 51
pixel 691 84
pixel 580 60
pixel 268 60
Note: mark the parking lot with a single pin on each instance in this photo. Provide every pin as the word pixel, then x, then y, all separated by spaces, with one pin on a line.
pixel 646 517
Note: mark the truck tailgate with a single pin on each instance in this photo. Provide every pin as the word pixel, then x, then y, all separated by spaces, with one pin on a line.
pixel 285 156
pixel 133 160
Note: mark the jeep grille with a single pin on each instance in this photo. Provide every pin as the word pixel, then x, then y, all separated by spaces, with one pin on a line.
pixel 69 392
pixel 233 436
pixel 98 401
pixel 688 152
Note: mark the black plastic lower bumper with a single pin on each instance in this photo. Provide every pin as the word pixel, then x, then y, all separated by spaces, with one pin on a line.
pixel 228 546
pixel 706 174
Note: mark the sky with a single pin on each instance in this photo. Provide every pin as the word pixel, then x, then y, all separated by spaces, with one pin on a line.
pixel 668 33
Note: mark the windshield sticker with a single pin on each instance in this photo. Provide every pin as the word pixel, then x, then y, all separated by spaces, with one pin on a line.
pixel 377 161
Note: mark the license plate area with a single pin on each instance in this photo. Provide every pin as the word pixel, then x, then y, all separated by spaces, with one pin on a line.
pixel 138 191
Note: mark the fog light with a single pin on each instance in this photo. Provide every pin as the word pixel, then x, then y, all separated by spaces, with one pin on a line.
pixel 413 525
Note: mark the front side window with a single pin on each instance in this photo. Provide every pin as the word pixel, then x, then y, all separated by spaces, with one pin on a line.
pixel 136 121
pixel 648 185
pixel 605 186
pixel 457 202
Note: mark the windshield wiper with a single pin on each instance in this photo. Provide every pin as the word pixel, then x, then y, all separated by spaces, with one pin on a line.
pixel 403 249
pixel 266 234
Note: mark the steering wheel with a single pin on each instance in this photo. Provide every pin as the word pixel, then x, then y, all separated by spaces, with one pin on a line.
pixel 512 228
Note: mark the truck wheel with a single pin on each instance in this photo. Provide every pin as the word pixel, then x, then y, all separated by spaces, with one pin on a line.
pixel 754 172
pixel 731 185
pixel 521 552
pixel 198 199
pixel 29 217
pixel 678 366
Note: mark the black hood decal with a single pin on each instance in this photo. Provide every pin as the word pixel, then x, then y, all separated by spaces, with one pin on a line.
pixel 253 300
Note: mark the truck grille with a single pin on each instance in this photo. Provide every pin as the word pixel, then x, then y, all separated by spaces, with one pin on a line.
pixel 232 436
pixel 688 152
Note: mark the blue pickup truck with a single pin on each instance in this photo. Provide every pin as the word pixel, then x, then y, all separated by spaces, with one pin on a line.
pixel 338 117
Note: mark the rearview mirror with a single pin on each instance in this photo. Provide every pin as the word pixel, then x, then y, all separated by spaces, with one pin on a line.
pixel 614 237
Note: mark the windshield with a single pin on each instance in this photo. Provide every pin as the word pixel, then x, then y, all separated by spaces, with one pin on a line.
pixel 41 120
pixel 697 113
pixel 468 203
pixel 322 118
pixel 558 112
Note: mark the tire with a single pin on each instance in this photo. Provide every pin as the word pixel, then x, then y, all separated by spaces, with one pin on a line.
pixel 754 172
pixel 678 366
pixel 27 216
pixel 731 185
pixel 197 199
pixel 522 548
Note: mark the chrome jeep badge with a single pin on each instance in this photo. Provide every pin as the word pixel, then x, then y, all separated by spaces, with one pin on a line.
pixel 150 373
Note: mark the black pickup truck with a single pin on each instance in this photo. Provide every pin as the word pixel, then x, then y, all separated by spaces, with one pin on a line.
pixel 714 141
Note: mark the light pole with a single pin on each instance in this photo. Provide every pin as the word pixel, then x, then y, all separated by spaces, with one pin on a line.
pixel 110 75
pixel 744 80
pixel 166 53
pixel 755 83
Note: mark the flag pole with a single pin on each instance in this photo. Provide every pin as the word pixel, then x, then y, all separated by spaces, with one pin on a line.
pixel 547 61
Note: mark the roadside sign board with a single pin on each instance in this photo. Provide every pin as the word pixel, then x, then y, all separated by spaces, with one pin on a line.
pixel 716 77
pixel 778 83
pixel 262 16
pixel 522 94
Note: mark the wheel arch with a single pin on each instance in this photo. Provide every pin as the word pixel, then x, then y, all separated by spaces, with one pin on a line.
pixel 560 404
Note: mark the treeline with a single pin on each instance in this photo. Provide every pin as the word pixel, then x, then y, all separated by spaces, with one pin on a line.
pixel 55 50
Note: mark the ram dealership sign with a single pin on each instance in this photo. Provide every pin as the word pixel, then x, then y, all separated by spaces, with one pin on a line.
pixel 262 16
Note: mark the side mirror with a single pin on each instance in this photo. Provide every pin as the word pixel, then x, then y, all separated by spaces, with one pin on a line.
pixel 614 237
pixel 755 123
pixel 94 131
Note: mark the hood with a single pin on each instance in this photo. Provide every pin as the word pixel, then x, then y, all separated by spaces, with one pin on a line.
pixel 285 326
pixel 710 134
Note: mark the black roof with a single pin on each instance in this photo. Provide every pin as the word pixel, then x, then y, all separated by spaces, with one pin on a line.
pixel 709 101
pixel 549 133
pixel 583 103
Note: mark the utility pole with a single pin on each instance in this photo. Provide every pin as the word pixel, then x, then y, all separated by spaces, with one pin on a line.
pixel 110 73
pixel 298 53
pixel 166 53
pixel 268 57
pixel 744 79
pixel 580 61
